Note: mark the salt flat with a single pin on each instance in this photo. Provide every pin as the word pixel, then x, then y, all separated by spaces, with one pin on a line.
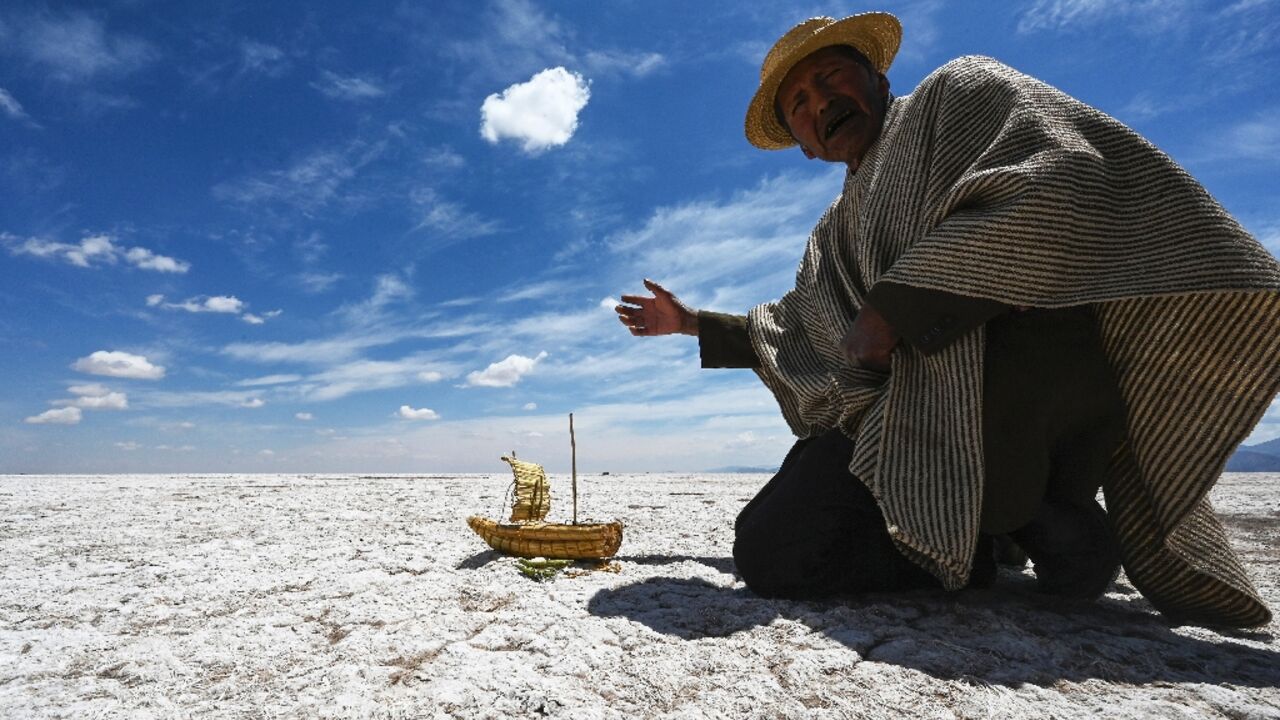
pixel 291 596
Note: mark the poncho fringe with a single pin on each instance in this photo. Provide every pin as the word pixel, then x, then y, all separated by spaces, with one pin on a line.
pixel 987 183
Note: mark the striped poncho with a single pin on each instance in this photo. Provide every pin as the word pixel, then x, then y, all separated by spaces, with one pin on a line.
pixel 987 183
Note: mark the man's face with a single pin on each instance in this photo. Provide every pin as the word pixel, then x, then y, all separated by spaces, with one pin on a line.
pixel 833 105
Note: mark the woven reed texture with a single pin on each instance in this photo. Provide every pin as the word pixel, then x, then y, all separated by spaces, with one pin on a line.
pixel 532 495
pixel 587 541
pixel 989 183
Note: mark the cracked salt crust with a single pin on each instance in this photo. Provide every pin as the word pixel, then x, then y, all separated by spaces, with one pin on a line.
pixel 291 596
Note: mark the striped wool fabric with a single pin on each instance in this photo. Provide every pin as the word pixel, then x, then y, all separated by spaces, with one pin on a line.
pixel 989 183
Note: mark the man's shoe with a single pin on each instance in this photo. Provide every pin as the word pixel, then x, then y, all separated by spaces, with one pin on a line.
pixel 1074 550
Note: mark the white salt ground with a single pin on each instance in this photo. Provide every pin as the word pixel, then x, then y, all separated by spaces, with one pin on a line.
pixel 252 596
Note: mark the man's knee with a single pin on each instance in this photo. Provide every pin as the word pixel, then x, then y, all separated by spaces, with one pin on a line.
pixel 758 563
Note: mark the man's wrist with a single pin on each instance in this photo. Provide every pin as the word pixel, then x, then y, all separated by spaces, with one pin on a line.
pixel 689 323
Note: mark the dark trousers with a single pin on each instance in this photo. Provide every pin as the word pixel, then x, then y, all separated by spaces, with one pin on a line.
pixel 1052 419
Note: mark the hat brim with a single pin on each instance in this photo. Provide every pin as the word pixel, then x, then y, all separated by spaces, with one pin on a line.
pixel 875 35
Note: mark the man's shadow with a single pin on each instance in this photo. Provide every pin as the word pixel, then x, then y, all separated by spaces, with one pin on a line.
pixel 1008 635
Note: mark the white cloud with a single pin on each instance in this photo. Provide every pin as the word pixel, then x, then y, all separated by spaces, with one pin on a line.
pixel 60 416
pixel 73 47
pixel 1148 15
pixel 96 397
pixel 221 304
pixel 531 406
pixel 310 184
pixel 365 375
pixel 638 64
pixel 443 157
pixel 128 446
pixel 147 260
pixel 118 364
pixel 734 254
pixel 504 373
pixel 1254 139
pixel 253 403
pixel 540 114
pixel 448 220
pixel 95 250
pixel 215 304
pixel 269 380
pixel 10 106
pixel 408 413
pixel 342 87
pixel 305 416
pixel 267 452
pixel 262 58
pixel 315 282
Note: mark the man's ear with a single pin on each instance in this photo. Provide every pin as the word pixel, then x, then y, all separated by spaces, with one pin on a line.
pixel 807 152
pixel 883 87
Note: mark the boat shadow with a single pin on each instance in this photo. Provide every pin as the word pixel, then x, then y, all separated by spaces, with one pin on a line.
pixel 1006 636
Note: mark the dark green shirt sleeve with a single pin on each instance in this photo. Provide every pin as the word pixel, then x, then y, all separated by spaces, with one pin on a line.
pixel 723 341
pixel 930 320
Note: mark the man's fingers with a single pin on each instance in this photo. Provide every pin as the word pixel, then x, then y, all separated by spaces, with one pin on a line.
pixel 637 300
pixel 655 288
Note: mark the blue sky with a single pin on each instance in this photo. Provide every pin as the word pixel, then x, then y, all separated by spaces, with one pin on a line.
pixel 386 236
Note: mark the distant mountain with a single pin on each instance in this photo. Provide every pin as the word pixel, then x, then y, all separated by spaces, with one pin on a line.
pixel 1263 457
pixel 1270 447
pixel 1245 461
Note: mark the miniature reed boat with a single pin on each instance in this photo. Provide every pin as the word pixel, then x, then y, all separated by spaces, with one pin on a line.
pixel 527 534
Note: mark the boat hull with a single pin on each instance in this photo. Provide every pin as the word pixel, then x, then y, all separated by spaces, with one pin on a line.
pixel 585 541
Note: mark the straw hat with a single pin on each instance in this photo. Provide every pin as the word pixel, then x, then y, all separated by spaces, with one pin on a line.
pixel 875 34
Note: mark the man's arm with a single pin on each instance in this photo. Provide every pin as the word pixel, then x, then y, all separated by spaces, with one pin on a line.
pixel 930 320
pixel 723 341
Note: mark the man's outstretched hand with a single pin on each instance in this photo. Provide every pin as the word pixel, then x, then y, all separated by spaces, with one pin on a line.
pixel 870 340
pixel 662 314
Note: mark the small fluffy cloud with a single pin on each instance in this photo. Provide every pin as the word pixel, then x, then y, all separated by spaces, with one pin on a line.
pixel 95 250
pixel 531 406
pixel 539 114
pixel 59 416
pixel 224 304
pixel 146 260
pixel 215 304
pixel 408 413
pixel 118 364
pixel 340 87
pixel 253 403
pixel 128 446
pixel 96 397
pixel 504 373
pixel 305 417
pixel 430 376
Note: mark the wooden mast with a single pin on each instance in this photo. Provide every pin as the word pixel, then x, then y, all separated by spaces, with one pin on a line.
pixel 573 452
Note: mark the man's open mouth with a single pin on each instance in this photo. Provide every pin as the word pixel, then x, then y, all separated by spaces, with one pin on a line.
pixel 834 123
